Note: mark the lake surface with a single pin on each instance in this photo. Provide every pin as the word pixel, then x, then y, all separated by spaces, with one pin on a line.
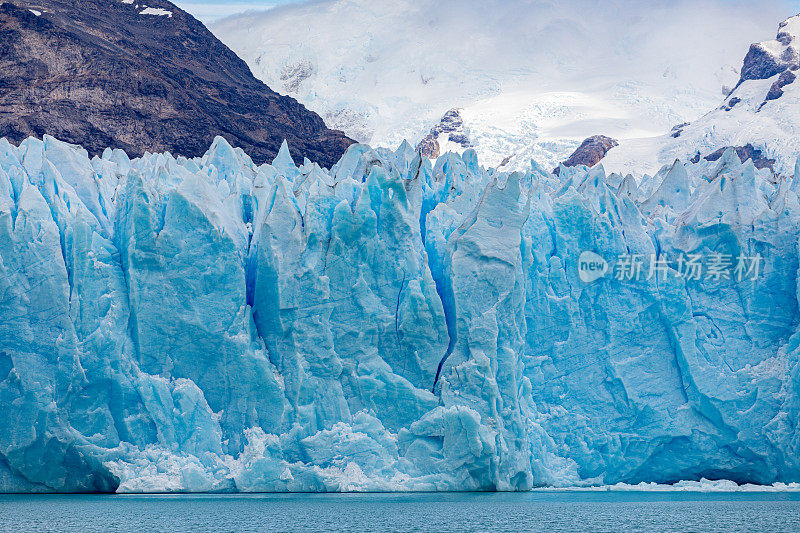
pixel 533 511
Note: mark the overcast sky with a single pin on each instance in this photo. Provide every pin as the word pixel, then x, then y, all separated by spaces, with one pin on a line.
pixel 211 10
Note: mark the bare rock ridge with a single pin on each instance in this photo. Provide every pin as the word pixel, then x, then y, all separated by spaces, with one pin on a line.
pixel 787 77
pixel 768 58
pixel 748 151
pixel 450 128
pixel 590 152
pixel 141 77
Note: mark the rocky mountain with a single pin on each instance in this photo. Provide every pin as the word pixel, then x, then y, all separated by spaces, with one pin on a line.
pixel 141 77
pixel 778 56
pixel 759 118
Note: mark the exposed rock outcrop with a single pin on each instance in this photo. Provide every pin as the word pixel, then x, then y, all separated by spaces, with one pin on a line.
pixel 731 103
pixel 748 151
pixel 450 128
pixel 590 152
pixel 677 130
pixel 776 90
pixel 768 58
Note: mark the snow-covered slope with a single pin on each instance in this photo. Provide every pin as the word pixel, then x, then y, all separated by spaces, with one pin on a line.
pixel 172 324
pixel 763 111
pixel 530 78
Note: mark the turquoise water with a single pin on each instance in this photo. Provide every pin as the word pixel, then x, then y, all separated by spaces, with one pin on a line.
pixel 536 511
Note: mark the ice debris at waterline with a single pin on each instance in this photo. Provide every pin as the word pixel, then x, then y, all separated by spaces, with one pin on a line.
pixel 172 324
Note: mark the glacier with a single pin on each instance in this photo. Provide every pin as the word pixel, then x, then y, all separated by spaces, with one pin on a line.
pixel 171 324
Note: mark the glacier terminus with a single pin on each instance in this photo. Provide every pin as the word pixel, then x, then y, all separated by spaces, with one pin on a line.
pixel 209 324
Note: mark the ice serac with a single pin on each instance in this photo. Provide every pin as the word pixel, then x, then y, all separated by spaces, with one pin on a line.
pixel 209 324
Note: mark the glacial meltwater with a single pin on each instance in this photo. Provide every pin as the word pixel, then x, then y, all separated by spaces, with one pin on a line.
pixel 426 512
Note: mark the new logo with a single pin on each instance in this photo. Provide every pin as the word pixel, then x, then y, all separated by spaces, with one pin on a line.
pixel 591 267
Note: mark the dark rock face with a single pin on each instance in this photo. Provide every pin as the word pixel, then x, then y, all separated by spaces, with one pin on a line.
pixel 677 130
pixel 759 64
pixel 748 151
pixel 590 152
pixel 429 147
pixel 731 103
pixel 100 73
pixel 451 124
pixel 787 77
pixel 767 59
